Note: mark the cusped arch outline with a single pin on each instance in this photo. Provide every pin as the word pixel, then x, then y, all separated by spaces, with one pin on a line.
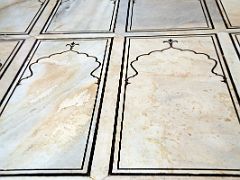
pixel 170 41
pixel 70 50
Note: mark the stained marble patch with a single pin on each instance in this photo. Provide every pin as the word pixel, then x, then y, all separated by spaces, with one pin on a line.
pixel 72 16
pixel 178 111
pixel 49 121
pixel 168 15
pixel 19 16
pixel 230 12
pixel 7 54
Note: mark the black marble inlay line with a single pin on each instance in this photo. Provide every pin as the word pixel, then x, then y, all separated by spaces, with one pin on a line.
pixel 235 42
pixel 4 64
pixel 225 16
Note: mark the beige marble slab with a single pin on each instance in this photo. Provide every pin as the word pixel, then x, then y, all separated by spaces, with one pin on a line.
pixel 230 12
pixel 168 15
pixel 73 16
pixel 22 20
pixel 7 54
pixel 178 110
pixel 49 121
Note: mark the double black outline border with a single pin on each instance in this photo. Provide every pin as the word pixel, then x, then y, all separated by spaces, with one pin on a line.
pixel 225 16
pixel 236 42
pixel 130 14
pixel 99 97
pixel 121 97
pixel 55 10
pixel 33 21
pixel 10 58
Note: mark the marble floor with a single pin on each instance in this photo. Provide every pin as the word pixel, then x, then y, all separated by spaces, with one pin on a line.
pixel 120 89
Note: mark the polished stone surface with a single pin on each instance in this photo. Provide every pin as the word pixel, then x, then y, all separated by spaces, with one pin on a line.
pixel 109 89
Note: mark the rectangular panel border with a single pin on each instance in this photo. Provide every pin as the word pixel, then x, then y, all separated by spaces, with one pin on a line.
pixel 89 149
pixel 204 7
pixel 236 43
pixel 55 10
pixel 33 21
pixel 121 97
pixel 225 16
pixel 12 55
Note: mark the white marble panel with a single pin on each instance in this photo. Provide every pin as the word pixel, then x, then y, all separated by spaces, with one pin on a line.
pixel 154 15
pixel 19 16
pixel 73 16
pixel 178 111
pixel 49 121
pixel 230 12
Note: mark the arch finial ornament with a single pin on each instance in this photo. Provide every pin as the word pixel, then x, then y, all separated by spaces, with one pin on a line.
pixel 170 42
pixel 72 45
